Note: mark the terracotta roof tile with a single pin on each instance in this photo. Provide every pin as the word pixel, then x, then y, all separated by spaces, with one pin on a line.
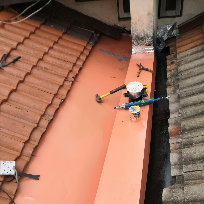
pixel 62 55
pixel 56 101
pixel 25 26
pixel 42 82
pixel 50 59
pixel 15 125
pixel 74 39
pixel 36 135
pixel 50 111
pixel 34 44
pixel 80 62
pixel 30 21
pixel 5 47
pixel 47 34
pixel 47 75
pixel 27 58
pixel 27 150
pixel 8 79
pixel 17 29
pixel 76 69
pixel 31 50
pixel 82 34
pixel 42 40
pixel 10 42
pixel 7 141
pixel 70 44
pixel 5 90
pixel 28 101
pixel 20 64
pixel 53 68
pixel 43 122
pixel 11 35
pixel 51 30
pixel 16 111
pixel 13 135
pixel 37 92
pixel 67 50
pixel 6 15
pixel 62 93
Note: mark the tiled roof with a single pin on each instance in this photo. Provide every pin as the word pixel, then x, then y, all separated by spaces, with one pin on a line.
pixel 185 85
pixel 32 88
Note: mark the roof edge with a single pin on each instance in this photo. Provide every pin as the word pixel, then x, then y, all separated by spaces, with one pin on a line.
pixel 191 23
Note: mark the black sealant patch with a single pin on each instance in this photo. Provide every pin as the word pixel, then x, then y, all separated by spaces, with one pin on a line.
pixel 159 170
pixel 114 55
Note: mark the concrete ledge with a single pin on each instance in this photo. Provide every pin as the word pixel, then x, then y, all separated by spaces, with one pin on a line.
pixel 124 175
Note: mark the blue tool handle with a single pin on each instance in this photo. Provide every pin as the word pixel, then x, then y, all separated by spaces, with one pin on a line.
pixel 140 103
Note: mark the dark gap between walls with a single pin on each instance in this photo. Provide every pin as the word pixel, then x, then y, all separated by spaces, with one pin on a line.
pixel 159 169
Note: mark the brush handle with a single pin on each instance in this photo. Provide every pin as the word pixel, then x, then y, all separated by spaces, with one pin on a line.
pixel 118 89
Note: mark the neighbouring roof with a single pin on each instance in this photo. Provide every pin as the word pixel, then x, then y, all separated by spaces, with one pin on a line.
pixel 185 85
pixel 33 88
pixel 56 10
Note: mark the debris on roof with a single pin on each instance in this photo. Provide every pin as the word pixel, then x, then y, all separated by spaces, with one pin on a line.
pixel 185 83
pixel 33 87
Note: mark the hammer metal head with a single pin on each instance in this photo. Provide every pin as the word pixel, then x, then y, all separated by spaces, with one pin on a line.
pixel 98 99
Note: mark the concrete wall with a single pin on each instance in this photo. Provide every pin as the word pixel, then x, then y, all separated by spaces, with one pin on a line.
pixel 155 23
pixel 142 17
pixel 191 8
pixel 105 10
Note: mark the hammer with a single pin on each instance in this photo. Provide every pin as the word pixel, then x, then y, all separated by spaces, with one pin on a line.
pixel 98 98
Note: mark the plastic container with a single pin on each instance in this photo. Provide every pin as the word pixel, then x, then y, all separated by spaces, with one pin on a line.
pixel 134 113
